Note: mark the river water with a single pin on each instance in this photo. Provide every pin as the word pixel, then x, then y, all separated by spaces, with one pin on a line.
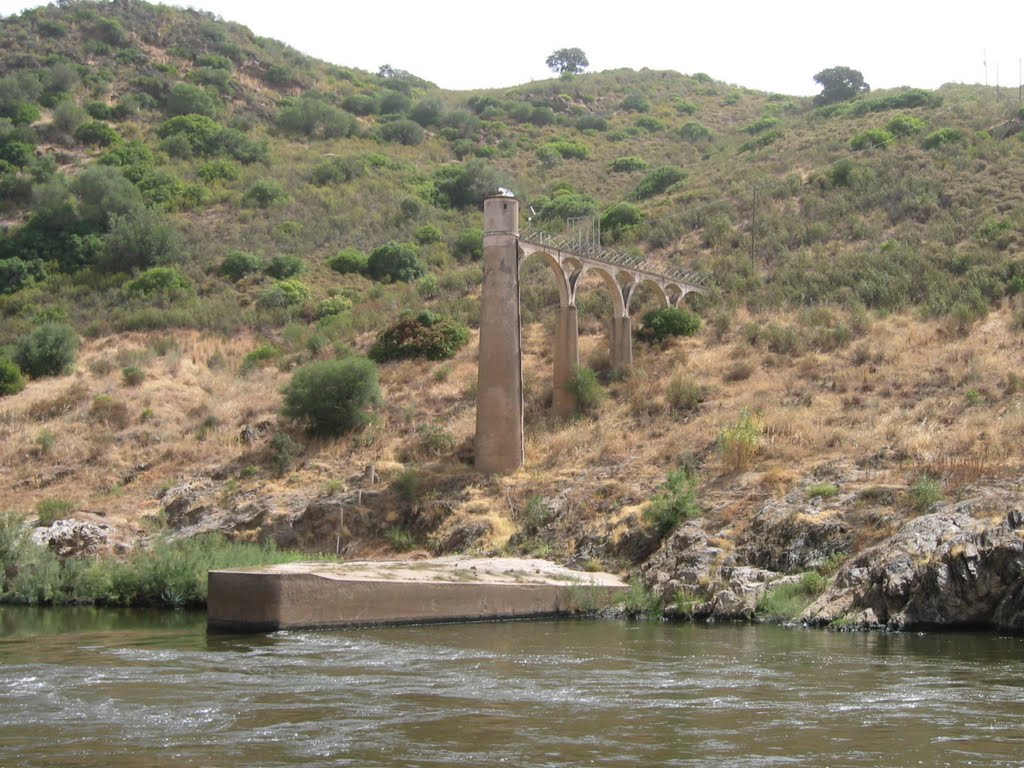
pixel 118 689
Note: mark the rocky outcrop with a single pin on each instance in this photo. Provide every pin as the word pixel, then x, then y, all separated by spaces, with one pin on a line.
pixel 696 577
pixel 952 568
pixel 794 535
pixel 73 538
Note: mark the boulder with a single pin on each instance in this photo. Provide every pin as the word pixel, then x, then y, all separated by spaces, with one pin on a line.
pixel 945 569
pixel 71 538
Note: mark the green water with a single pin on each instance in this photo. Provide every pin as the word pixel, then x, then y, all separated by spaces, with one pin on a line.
pixel 101 688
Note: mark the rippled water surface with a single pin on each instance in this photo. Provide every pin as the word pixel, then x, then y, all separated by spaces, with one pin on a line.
pixel 88 688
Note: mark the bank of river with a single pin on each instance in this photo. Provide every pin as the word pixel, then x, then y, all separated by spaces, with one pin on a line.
pixel 121 689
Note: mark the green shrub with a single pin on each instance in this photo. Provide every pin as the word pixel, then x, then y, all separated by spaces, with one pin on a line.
pixel 667 322
pixel 219 170
pixel 335 305
pixel 628 163
pixel 925 492
pixel 140 239
pixel 469 244
pixel 871 139
pixel 942 136
pixel 396 262
pixel 462 185
pixel 284 266
pixel 283 294
pixel 400 539
pixel 435 439
pixel 658 181
pixel 257 358
pixel 634 102
pixel 349 260
pixel 788 601
pixel 587 390
pixel 97 133
pixel 425 335
pixel 739 443
pixel 639 601
pixel 132 375
pixel 694 132
pixel 238 264
pixel 762 125
pixel 675 501
pixel 904 125
pixel 333 396
pixel 822 491
pixel 157 281
pixel 428 234
pixel 264 194
pixel 283 452
pixel 48 350
pixel 51 510
pixel 187 99
pixel 569 150
pixel 620 219
pixel 336 170
pixel 11 379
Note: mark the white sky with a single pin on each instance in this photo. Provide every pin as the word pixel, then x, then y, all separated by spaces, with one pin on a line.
pixel 768 46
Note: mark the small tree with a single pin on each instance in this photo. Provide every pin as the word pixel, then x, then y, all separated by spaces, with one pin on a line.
pixel 424 335
pixel 395 261
pixel 49 350
pixel 668 321
pixel 11 380
pixel 332 397
pixel 839 84
pixel 238 264
pixel 567 61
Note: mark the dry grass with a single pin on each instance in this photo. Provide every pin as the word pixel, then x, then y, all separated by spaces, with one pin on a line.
pixel 906 399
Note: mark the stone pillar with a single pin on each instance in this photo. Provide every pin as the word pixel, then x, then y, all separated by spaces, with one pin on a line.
pixel 567 357
pixel 499 400
pixel 621 347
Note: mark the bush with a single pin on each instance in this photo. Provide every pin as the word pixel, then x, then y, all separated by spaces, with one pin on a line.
pixel 264 194
pixel 187 99
pixel 49 350
pixel 132 375
pixel 109 411
pixel 942 136
pixel 403 131
pixel 739 443
pixel 51 510
pixel 904 125
pixel 658 181
pixel 424 335
pixel 142 238
pixel 219 170
pixel 97 133
pixel 675 501
pixel 587 390
pixel 788 601
pixel 871 138
pixel 157 281
pixel 333 396
pixel 283 294
pixel 396 262
pixel 694 132
pixel 11 379
pixel 925 492
pixel 469 244
pixel 348 261
pixel 634 102
pixel 464 185
pixel 238 264
pixel 683 394
pixel 620 219
pixel 666 322
pixel 427 234
pixel 284 266
pixel 335 305
pixel 337 170
pixel 629 163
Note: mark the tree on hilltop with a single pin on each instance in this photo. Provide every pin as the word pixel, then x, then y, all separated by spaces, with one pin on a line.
pixel 839 84
pixel 568 61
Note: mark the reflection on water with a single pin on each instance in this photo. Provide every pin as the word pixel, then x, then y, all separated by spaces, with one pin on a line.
pixel 102 688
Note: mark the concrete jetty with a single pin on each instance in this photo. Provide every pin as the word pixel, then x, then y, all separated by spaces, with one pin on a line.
pixel 367 593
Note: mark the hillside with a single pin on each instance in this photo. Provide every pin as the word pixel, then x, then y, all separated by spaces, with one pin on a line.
pixel 190 199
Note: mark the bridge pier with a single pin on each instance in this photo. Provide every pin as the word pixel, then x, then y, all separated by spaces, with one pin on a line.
pixel 620 354
pixel 567 357
pixel 499 405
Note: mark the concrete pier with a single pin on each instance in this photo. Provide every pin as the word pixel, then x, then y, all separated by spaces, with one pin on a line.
pixel 369 593
pixel 499 406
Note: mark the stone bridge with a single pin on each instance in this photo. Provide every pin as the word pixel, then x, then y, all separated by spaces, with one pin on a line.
pixel 499 427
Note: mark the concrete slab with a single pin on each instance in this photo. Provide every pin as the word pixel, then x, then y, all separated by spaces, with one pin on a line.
pixel 367 593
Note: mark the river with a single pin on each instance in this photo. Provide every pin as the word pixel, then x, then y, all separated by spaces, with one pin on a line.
pixel 84 687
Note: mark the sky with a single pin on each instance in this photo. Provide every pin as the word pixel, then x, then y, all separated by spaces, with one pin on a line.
pixel 777 47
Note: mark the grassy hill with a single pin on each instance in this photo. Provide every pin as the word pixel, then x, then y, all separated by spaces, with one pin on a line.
pixel 190 198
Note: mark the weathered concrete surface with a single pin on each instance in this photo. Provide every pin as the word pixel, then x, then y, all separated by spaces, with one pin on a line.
pixel 398 592
pixel 567 357
pixel 499 406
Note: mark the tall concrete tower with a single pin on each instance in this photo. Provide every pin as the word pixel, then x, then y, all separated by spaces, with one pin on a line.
pixel 499 404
